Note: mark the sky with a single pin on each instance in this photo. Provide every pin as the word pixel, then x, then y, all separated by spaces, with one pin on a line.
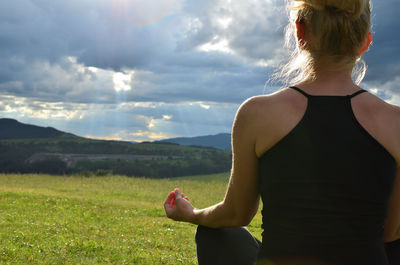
pixel 144 70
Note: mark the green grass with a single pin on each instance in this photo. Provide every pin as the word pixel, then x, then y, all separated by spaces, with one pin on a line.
pixel 100 220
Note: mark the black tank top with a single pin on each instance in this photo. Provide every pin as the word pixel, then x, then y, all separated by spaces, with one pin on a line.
pixel 325 188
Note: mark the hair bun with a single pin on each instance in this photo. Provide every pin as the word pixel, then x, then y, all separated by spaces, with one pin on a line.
pixel 350 8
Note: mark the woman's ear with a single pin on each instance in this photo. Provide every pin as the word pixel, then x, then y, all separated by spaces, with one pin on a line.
pixel 366 44
pixel 301 32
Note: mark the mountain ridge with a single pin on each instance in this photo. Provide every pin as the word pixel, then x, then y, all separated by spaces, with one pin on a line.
pixel 13 129
pixel 219 141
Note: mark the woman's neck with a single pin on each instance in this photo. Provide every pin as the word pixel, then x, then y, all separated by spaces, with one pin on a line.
pixel 330 80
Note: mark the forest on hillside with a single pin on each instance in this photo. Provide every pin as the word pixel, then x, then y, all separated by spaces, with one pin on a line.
pixel 75 155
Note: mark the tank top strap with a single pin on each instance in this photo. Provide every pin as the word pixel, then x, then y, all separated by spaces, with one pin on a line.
pixel 357 93
pixel 301 91
pixel 308 95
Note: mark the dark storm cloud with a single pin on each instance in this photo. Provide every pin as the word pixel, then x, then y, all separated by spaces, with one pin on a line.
pixel 184 84
pixel 37 36
pixel 64 81
pixel 384 56
pixel 97 32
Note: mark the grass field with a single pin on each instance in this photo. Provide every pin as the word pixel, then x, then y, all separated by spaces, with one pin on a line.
pixel 100 220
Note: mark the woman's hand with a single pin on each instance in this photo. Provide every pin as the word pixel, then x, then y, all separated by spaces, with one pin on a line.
pixel 178 207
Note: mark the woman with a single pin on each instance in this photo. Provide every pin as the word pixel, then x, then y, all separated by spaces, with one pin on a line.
pixel 324 156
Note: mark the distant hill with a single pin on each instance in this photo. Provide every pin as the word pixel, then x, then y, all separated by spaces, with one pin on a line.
pixel 13 129
pixel 220 141
pixel 28 148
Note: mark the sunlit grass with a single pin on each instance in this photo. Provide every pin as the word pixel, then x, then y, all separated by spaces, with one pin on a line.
pixel 100 220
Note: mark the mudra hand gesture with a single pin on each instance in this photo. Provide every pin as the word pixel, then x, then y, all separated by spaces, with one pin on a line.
pixel 178 207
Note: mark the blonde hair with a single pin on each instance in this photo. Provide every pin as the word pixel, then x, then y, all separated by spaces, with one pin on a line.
pixel 336 31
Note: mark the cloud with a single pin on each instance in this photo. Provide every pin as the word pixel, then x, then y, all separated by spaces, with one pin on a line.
pixel 246 28
pixel 383 57
pixel 23 108
pixel 55 44
pixel 129 121
pixel 150 68
pixel 71 81
pixel 388 90
pixel 169 51
pixel 101 33
pixel 65 80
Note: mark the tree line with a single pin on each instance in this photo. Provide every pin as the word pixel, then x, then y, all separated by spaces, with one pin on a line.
pixel 181 161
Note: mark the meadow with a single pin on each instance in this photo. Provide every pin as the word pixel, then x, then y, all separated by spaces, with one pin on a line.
pixel 48 219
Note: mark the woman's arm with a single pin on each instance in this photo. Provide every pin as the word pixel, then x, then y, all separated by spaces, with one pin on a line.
pixel 392 225
pixel 242 196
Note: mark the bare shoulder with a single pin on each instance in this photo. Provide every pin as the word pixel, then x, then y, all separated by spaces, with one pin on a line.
pixel 247 116
pixel 394 111
pixel 387 117
pixel 395 118
pixel 267 118
pixel 388 112
pixel 264 108
pixel 377 108
pixel 258 110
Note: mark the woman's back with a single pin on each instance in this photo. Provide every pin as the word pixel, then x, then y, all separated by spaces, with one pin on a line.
pixel 282 111
pixel 324 158
pixel 326 173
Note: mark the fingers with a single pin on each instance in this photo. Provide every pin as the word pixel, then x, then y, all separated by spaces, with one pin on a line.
pixel 170 196
pixel 173 197
pixel 178 194
pixel 172 200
